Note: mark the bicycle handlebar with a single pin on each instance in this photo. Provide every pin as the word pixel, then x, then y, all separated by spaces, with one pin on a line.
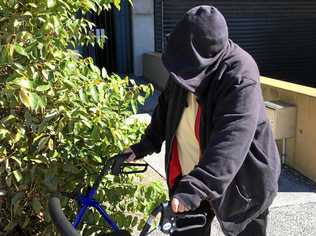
pixel 116 166
pixel 167 221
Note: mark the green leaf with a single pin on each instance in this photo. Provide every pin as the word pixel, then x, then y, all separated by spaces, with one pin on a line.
pixel 117 4
pixel 94 93
pixel 43 88
pixel 42 144
pixel 16 23
pixel 8 180
pixel 32 5
pixel 20 50
pixel 104 73
pixel 51 3
pixel 41 102
pixel 24 83
pixel 134 106
pixel 141 100
pixel 4 133
pixel 36 205
pixel 131 2
pixel 17 160
pixel 51 144
pixel 44 74
pixel 17 174
pixel 31 100
pixel 19 66
pixel 41 19
pixel 82 95
pixel 88 5
pixel 25 98
pixel 27 13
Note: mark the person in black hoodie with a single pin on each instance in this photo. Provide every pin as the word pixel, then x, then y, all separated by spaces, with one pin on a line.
pixel 221 157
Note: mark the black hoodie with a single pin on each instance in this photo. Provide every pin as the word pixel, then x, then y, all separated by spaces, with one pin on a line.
pixel 240 165
pixel 197 46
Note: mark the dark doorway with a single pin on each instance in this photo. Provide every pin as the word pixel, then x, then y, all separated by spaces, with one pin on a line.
pixel 116 56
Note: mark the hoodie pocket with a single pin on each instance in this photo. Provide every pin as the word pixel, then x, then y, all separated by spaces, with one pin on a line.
pixel 234 204
pixel 242 194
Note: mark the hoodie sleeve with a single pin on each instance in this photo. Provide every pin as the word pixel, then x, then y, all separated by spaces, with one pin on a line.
pixel 234 123
pixel 154 134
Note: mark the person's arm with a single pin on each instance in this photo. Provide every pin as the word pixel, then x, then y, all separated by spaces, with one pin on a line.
pixel 154 134
pixel 235 121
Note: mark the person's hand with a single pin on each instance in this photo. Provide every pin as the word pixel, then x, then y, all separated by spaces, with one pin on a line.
pixel 126 156
pixel 131 156
pixel 177 206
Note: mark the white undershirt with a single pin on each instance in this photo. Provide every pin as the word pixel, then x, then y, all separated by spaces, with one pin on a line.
pixel 188 145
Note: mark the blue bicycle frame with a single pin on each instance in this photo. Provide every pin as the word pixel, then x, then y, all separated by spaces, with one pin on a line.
pixel 168 220
pixel 86 201
pixel 89 201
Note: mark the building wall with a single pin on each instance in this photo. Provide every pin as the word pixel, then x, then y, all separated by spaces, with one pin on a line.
pixel 143 32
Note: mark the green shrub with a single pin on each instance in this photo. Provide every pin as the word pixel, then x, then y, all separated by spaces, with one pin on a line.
pixel 61 117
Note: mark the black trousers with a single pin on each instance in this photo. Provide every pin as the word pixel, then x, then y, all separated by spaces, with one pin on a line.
pixel 255 228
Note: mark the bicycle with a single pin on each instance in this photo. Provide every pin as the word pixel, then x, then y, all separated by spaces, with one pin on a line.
pixel 116 166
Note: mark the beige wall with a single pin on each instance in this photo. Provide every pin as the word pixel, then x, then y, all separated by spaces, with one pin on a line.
pixel 301 149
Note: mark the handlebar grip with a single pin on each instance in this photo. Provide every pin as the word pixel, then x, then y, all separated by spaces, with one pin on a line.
pixel 59 219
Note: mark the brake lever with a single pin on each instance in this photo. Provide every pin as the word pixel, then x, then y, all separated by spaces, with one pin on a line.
pixel 124 165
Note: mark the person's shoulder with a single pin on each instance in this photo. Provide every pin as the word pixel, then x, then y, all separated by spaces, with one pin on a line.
pixel 241 65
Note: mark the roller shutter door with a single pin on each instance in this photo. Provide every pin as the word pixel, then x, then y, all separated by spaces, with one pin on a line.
pixel 280 35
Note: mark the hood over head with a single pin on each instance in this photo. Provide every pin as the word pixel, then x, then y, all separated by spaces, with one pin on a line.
pixel 196 46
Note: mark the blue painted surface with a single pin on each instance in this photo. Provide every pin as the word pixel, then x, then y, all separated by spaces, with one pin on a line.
pixel 89 201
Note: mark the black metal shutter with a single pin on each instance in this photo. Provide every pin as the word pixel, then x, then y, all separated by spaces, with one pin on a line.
pixel 158 20
pixel 280 35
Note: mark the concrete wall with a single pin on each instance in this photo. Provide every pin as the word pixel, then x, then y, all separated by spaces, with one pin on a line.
pixel 143 32
pixel 154 71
